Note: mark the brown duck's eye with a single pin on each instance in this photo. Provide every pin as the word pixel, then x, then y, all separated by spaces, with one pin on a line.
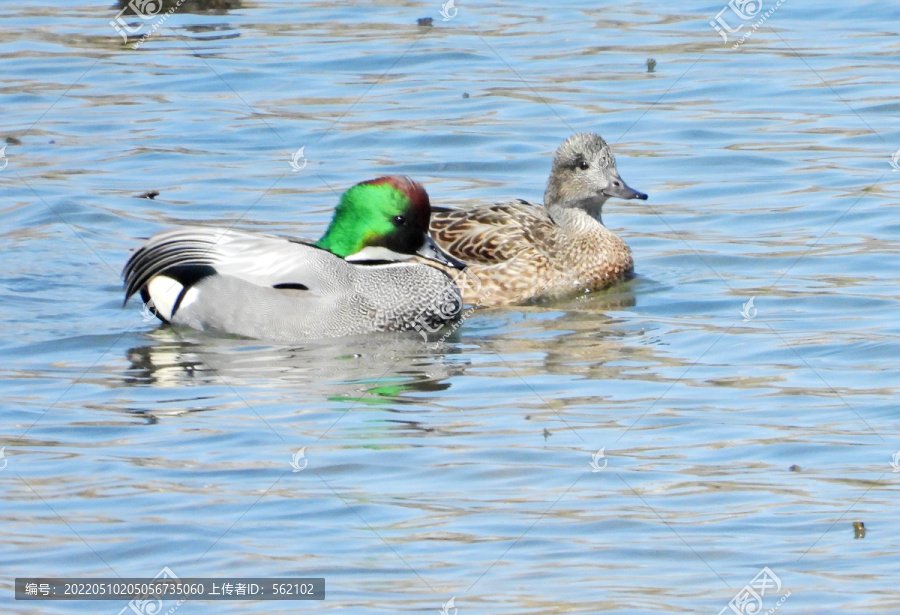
pixel 399 220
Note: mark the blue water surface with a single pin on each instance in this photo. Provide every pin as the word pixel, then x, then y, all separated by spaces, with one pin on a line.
pixel 648 449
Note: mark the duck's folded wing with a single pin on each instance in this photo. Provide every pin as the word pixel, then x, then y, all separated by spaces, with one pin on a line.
pixel 190 253
pixel 491 234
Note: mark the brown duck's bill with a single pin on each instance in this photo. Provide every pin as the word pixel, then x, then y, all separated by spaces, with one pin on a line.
pixel 621 190
pixel 433 252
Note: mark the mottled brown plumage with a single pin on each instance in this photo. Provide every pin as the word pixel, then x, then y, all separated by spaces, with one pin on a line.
pixel 518 251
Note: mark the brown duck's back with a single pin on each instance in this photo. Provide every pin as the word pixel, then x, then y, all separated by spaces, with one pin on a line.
pixel 516 251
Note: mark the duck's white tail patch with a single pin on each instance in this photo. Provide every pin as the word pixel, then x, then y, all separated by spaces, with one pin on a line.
pixel 164 291
pixel 189 297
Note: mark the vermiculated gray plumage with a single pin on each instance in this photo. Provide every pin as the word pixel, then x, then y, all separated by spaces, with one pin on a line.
pixel 281 289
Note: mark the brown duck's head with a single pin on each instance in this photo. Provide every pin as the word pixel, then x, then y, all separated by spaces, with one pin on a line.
pixel 584 175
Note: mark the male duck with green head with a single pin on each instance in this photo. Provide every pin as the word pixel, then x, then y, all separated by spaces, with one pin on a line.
pixel 355 280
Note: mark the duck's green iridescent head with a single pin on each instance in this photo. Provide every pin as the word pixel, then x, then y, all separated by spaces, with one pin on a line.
pixel 384 219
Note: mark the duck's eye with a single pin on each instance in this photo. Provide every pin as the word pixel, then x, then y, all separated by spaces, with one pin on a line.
pixel 399 220
pixel 583 165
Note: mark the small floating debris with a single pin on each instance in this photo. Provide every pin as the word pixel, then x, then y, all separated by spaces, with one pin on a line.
pixel 547 433
pixel 150 194
pixel 651 65
pixel 151 9
pixel 465 94
pixel 794 468
pixel 425 21
pixel 13 141
pixel 859 529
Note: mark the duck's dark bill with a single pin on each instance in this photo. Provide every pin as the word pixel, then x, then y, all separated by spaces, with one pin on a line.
pixel 433 252
pixel 621 190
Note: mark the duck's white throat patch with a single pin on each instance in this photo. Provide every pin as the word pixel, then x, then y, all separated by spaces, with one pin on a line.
pixel 378 253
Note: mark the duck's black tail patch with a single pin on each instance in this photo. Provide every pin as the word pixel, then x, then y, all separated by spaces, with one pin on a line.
pixel 187 276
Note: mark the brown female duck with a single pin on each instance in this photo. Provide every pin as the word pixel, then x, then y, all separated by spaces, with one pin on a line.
pixel 518 251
